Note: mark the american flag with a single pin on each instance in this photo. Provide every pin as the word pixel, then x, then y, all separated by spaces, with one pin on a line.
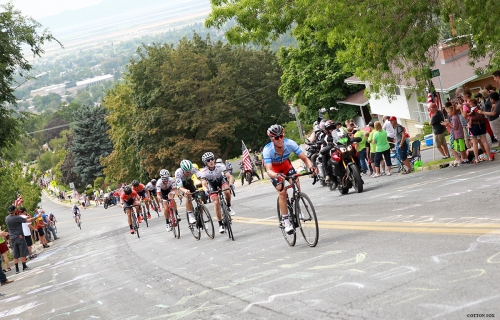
pixel 247 163
pixel 18 201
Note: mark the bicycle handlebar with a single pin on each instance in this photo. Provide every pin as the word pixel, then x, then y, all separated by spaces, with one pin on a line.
pixel 222 190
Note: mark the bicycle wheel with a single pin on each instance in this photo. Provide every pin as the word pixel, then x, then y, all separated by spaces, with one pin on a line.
pixel 308 223
pixel 289 238
pixel 135 224
pixel 175 225
pixel 155 207
pixel 226 220
pixel 195 227
pixel 206 221
pixel 80 223
pixel 144 214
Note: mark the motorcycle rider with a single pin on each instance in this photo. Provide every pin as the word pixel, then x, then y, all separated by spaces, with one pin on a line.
pixel 329 141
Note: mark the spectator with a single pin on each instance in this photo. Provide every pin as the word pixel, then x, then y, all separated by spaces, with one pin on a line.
pixel 39 226
pixel 388 128
pixel 457 139
pixel 3 251
pixel 3 277
pixel 401 143
pixel 229 167
pixel 478 128
pixel 494 113
pixel 27 227
pixel 382 149
pixel 362 151
pixel 258 162
pixel 373 147
pixel 18 243
pixel 439 131
pixel 49 227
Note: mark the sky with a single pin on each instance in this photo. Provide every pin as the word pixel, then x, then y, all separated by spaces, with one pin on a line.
pixel 43 8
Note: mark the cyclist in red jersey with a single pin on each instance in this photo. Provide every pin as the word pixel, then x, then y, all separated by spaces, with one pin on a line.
pixel 130 197
pixel 143 193
pixel 278 165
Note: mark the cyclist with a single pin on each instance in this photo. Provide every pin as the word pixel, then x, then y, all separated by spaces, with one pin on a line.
pixel 278 165
pixel 215 176
pixel 76 212
pixel 166 189
pixel 143 193
pixel 151 187
pixel 186 185
pixel 131 198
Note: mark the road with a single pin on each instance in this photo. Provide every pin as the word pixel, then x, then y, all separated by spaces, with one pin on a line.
pixel 421 246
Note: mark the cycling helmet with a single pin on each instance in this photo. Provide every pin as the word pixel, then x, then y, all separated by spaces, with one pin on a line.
pixel 329 125
pixel 186 165
pixel 207 156
pixel 127 190
pixel 219 161
pixel 275 130
pixel 75 206
pixel 153 181
pixel 164 173
pixel 135 183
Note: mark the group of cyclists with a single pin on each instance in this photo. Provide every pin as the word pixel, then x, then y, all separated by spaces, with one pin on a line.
pixel 214 176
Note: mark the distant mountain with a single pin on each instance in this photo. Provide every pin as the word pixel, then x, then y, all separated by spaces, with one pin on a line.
pixel 112 8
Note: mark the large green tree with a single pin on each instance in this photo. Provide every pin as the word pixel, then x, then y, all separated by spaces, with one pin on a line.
pixel 201 96
pixel 90 142
pixel 16 31
pixel 383 41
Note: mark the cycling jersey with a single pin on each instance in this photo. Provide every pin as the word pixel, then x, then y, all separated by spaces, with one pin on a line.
pixel 128 198
pixel 217 174
pixel 76 211
pixel 151 187
pixel 139 188
pixel 165 185
pixel 270 155
pixel 181 179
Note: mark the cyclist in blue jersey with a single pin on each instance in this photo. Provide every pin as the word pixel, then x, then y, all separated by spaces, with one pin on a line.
pixel 278 165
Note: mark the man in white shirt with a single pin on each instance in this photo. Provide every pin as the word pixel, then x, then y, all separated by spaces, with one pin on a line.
pixel 389 129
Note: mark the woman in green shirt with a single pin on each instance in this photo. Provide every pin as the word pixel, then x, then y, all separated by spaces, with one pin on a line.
pixel 382 148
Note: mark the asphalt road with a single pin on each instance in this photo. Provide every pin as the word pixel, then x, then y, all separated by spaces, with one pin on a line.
pixel 421 246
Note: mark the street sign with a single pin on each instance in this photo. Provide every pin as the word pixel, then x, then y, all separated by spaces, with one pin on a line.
pixel 435 73
pixel 53 183
pixel 72 185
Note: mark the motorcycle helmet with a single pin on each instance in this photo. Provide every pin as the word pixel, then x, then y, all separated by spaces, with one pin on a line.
pixel 186 165
pixel 330 125
pixel 135 183
pixel 127 190
pixel 207 156
pixel 275 130
pixel 322 125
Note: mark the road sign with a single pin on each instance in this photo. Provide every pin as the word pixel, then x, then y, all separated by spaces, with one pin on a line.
pixel 53 183
pixel 435 73
pixel 72 185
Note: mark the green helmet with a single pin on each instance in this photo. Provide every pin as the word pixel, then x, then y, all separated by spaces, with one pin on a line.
pixel 186 165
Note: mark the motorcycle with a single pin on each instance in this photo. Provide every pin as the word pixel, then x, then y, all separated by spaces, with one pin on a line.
pixel 248 174
pixel 109 200
pixel 345 166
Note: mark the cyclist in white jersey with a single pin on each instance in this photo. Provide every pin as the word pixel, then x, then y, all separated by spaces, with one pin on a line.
pixel 278 165
pixel 186 185
pixel 166 189
pixel 214 177
pixel 151 188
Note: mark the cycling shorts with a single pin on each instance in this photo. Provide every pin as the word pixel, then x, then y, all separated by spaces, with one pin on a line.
pixel 166 193
pixel 189 184
pixel 142 194
pixel 285 168
pixel 216 185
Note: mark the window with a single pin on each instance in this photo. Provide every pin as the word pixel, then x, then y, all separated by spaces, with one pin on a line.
pixel 397 91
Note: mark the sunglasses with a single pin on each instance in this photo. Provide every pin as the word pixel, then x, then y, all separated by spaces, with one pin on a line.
pixel 278 137
pixel 210 160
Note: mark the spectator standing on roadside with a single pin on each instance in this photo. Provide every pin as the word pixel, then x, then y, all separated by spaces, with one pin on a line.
pixel 391 135
pixel 373 148
pixel 50 229
pixel 39 226
pixel 439 131
pixel 382 150
pixel 494 114
pixel 3 277
pixel 3 252
pixel 18 243
pixel 402 144
pixel 229 167
pixel 362 151
pixel 27 227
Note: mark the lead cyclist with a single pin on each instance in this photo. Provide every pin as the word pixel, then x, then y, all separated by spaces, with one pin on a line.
pixel 186 185
pixel 278 165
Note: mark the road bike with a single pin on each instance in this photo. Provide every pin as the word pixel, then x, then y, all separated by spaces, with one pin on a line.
pixel 155 207
pixel 133 217
pixel 174 224
pixel 202 216
pixel 301 214
pixel 78 221
pixel 226 217
pixel 144 212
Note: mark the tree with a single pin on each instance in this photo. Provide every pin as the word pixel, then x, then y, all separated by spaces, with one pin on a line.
pixel 15 32
pixel 313 75
pixel 386 42
pixel 90 142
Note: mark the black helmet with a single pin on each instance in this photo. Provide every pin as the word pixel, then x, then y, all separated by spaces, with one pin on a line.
pixel 153 181
pixel 135 183
pixel 127 190
pixel 275 130
pixel 329 125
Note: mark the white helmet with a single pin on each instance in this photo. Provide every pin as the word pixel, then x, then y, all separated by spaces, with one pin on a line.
pixel 219 161
pixel 207 156
pixel 164 173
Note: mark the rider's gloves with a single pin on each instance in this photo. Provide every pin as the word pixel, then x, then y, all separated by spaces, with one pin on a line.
pixel 233 186
pixel 313 170
pixel 280 177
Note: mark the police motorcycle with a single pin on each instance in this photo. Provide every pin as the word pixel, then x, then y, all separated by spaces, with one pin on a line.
pixel 313 147
pixel 109 200
pixel 345 167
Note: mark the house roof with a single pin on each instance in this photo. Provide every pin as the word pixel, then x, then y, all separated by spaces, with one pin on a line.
pixel 356 99
pixel 454 73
